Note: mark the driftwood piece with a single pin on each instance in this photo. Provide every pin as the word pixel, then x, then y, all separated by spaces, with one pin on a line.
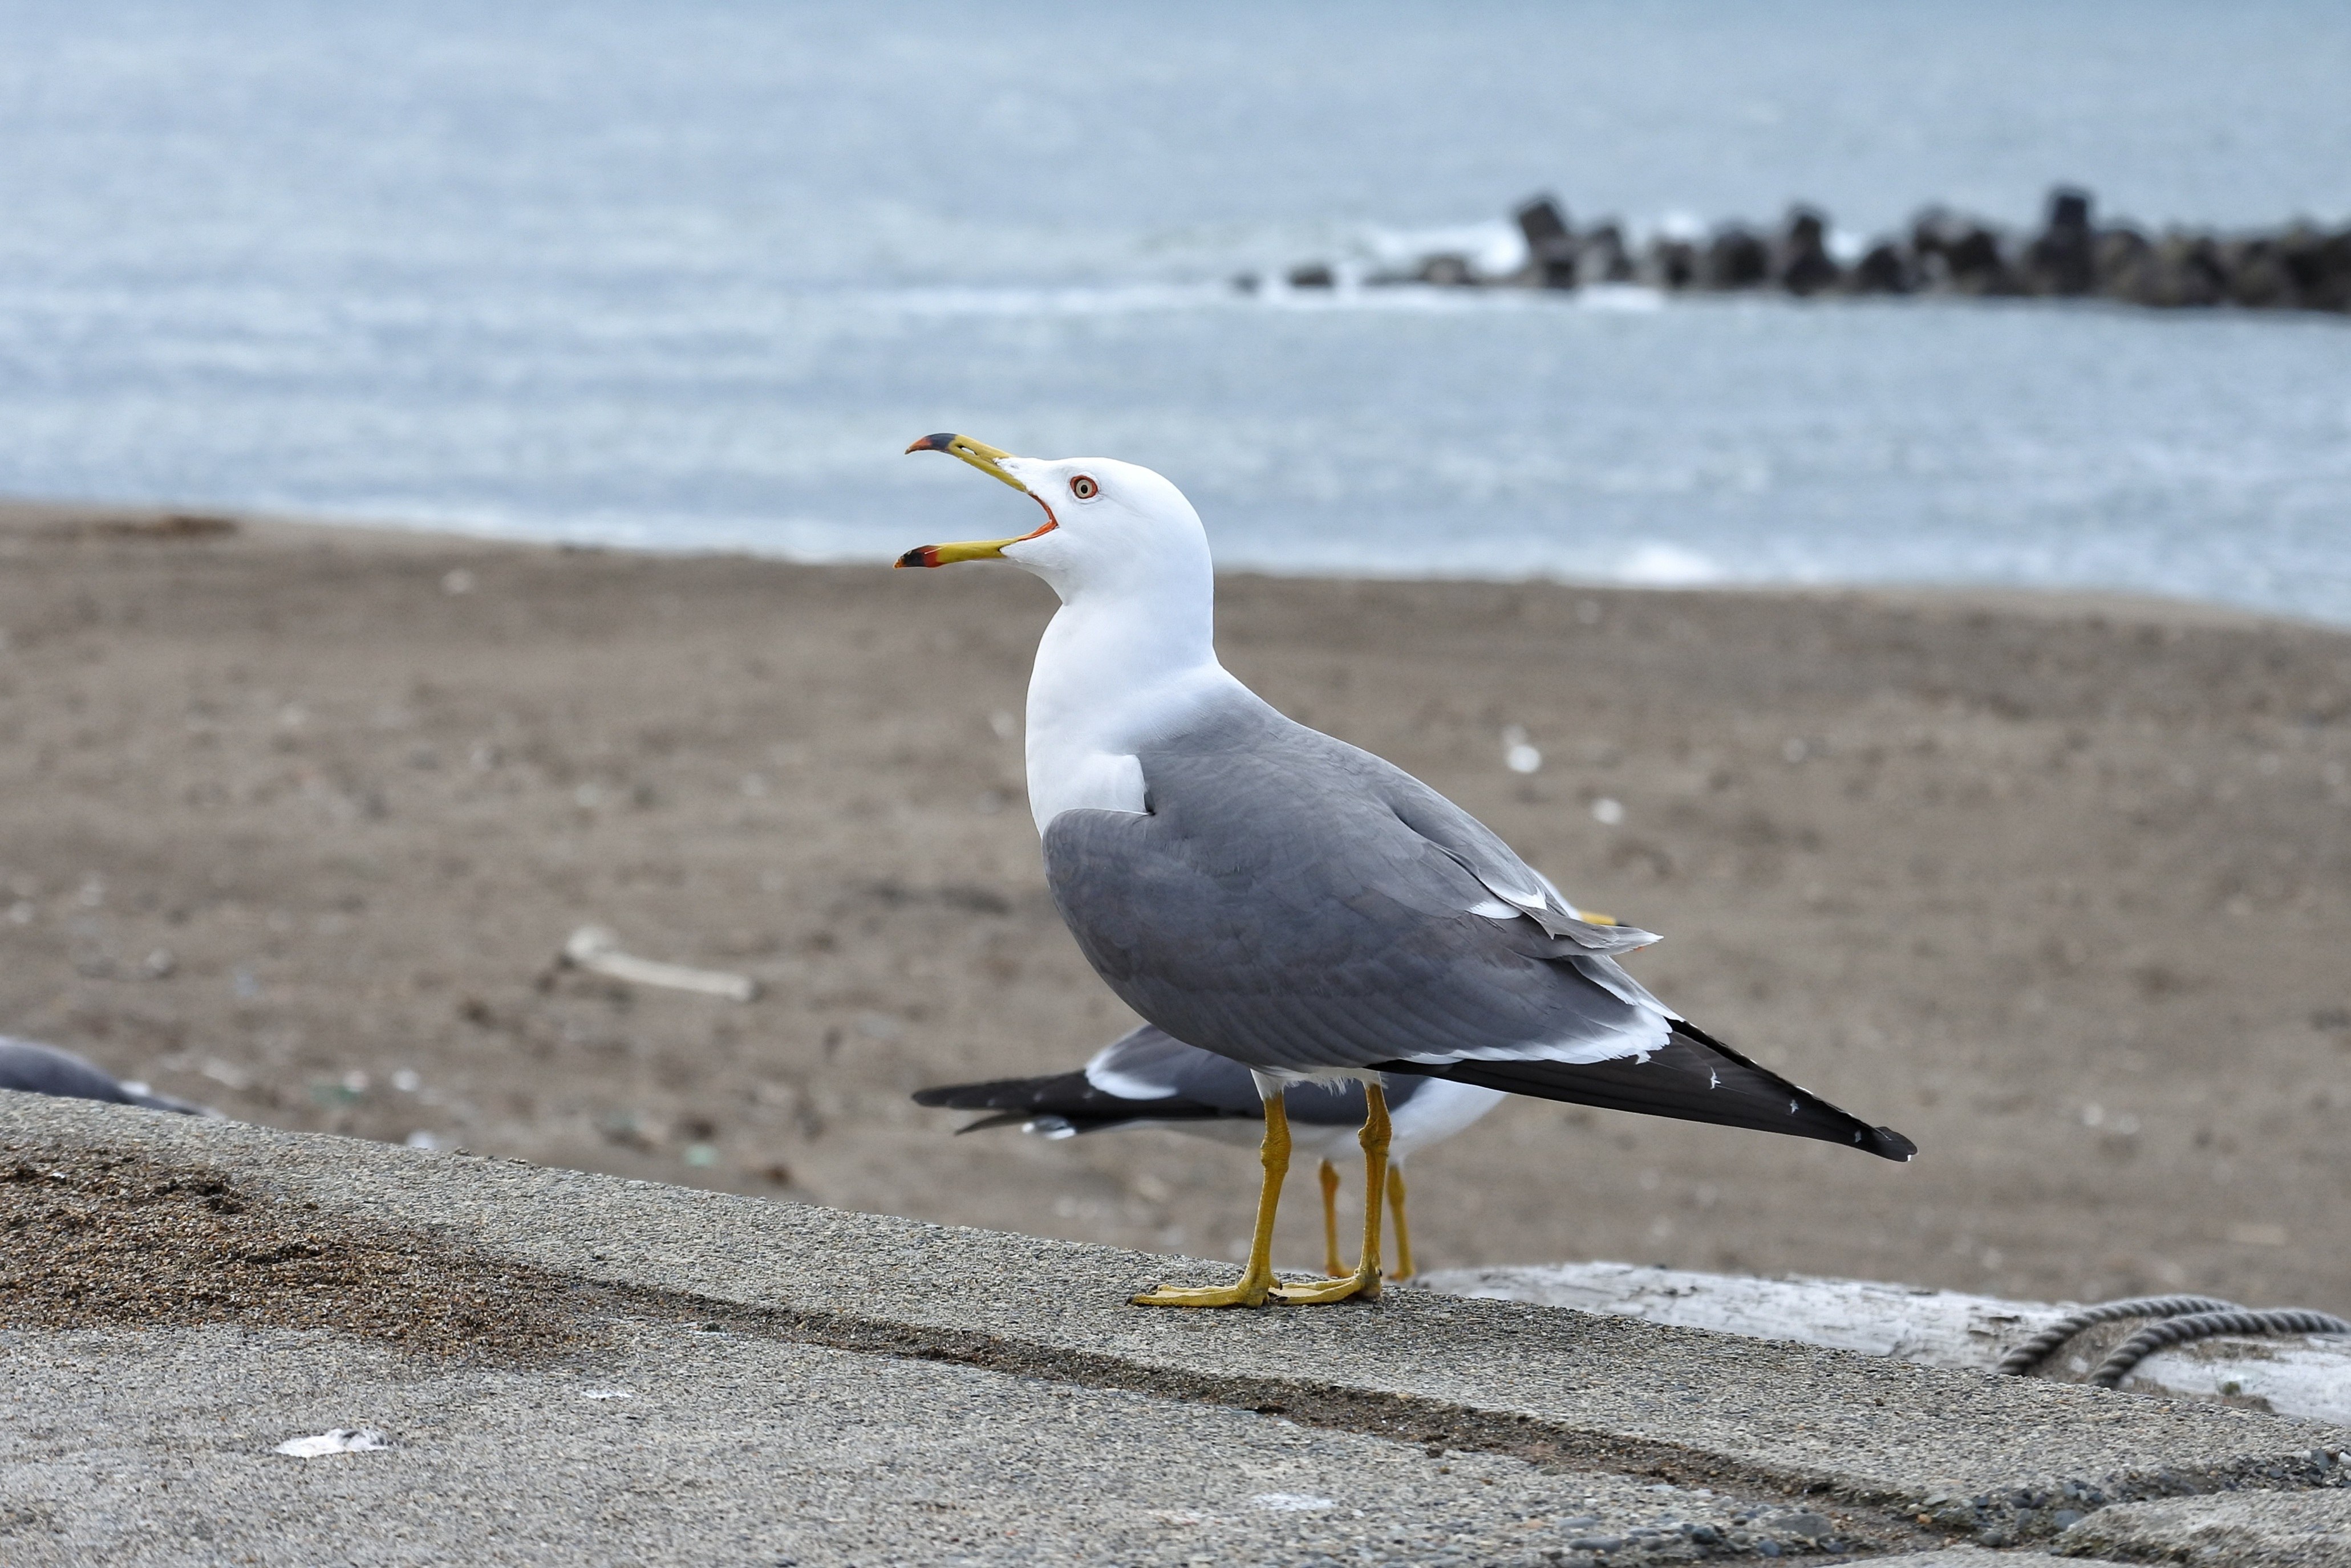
pixel 598 951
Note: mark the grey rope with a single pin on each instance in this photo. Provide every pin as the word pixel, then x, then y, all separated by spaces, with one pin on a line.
pixel 2155 1336
pixel 2034 1351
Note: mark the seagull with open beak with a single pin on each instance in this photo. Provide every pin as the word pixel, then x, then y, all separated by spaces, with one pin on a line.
pixel 1263 891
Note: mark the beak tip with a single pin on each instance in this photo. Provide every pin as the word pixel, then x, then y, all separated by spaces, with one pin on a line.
pixel 921 556
pixel 987 459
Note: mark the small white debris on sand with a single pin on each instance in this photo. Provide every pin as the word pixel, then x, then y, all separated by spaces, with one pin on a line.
pixel 342 1440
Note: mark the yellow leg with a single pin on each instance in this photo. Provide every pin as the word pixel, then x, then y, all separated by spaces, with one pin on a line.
pixel 1256 1280
pixel 1404 1234
pixel 1330 1264
pixel 1366 1281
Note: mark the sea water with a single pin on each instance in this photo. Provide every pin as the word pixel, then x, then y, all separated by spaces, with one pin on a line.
pixel 690 275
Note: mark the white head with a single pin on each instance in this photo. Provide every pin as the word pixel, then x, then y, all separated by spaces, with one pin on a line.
pixel 1112 529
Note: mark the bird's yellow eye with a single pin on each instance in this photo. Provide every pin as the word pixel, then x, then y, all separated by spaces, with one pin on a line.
pixel 1084 488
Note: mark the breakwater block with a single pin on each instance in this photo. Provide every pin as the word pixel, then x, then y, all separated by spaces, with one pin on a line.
pixel 2298 265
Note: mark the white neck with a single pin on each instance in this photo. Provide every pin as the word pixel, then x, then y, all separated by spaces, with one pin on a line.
pixel 1119 667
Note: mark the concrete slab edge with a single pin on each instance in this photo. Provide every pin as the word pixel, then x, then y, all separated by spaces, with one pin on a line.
pixel 1998 1518
pixel 2013 1517
pixel 461 1202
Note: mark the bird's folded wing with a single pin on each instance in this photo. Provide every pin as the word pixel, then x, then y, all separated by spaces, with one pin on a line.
pixel 1143 1075
pixel 1273 906
pixel 1148 1064
pixel 1146 1075
pixel 1300 906
pixel 1518 888
pixel 1068 1099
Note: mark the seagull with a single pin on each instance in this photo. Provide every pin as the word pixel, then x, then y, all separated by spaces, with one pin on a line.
pixel 32 1068
pixel 1149 1078
pixel 1265 892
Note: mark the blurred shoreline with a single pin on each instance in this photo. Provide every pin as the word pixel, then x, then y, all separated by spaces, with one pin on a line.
pixel 294 820
pixel 57 519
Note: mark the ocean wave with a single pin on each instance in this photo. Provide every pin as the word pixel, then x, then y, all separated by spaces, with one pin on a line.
pixel 1664 566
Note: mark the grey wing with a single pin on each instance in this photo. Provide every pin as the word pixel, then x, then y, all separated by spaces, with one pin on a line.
pixel 1590 945
pixel 1518 888
pixel 1284 900
pixel 1160 1086
pixel 1149 1064
pixel 1152 1064
pixel 1274 905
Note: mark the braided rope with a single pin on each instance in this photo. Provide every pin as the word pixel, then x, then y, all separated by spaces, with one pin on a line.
pixel 2204 1325
pixel 2034 1351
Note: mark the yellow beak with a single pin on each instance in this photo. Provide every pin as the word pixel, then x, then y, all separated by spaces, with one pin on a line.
pixel 986 458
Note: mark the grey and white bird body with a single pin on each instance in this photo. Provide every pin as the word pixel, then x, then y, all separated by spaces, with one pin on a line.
pixel 1275 895
pixel 1149 1080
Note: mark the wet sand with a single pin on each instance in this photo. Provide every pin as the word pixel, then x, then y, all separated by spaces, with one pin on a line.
pixel 297 819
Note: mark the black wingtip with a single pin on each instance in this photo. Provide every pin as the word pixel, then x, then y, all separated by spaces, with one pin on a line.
pixel 1694 1077
pixel 1883 1142
pixel 1887 1144
pixel 1061 1105
pixel 1001 1119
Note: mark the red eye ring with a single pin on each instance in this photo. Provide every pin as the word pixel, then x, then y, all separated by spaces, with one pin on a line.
pixel 1084 488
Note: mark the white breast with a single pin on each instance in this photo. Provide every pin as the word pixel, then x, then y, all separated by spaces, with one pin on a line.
pixel 1099 781
pixel 1093 703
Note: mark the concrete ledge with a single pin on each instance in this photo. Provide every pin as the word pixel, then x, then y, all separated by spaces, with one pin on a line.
pixel 1945 1454
pixel 2303 1529
pixel 2307 1375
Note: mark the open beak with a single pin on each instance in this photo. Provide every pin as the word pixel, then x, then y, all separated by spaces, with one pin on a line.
pixel 987 459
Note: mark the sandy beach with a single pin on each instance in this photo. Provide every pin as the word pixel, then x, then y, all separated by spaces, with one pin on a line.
pixel 297 820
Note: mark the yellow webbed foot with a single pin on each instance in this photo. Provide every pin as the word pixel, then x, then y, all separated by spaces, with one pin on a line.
pixel 1247 1292
pixel 1354 1287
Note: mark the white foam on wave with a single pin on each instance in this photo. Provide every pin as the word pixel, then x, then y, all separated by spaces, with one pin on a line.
pixel 1492 249
pixel 1075 299
pixel 1350 295
pixel 1625 296
pixel 1663 566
